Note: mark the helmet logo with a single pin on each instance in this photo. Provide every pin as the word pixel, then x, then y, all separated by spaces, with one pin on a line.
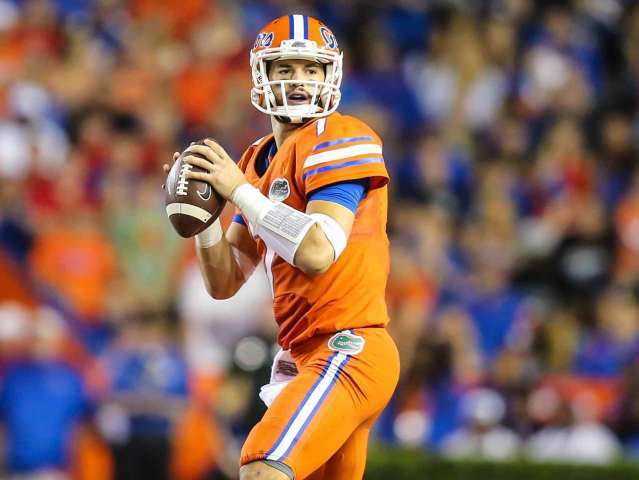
pixel 264 39
pixel 328 37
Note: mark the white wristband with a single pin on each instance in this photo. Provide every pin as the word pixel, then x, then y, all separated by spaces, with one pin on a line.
pixel 280 226
pixel 252 202
pixel 210 236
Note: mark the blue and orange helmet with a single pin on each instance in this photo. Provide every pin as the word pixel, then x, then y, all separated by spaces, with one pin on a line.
pixel 296 37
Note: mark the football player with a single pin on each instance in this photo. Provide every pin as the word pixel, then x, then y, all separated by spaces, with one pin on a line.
pixel 311 204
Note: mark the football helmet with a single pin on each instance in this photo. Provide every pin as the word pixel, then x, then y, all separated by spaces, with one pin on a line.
pixel 296 37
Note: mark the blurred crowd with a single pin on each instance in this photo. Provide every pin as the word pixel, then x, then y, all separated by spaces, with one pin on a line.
pixel 510 131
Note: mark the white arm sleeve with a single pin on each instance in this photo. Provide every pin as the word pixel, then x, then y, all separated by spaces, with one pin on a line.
pixel 282 227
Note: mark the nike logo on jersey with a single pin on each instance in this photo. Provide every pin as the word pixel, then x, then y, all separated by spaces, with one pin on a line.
pixel 206 193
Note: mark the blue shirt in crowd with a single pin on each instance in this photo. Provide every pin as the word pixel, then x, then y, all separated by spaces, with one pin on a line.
pixel 40 405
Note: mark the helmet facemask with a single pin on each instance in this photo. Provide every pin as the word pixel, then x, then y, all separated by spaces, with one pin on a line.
pixel 325 95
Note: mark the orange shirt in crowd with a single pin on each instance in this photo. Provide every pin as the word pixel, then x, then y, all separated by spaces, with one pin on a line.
pixel 198 90
pixel 179 13
pixel 78 264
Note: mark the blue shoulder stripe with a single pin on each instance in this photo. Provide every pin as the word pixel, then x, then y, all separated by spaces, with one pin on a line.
pixel 339 141
pixel 352 163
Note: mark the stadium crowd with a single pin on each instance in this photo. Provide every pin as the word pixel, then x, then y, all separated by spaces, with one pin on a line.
pixel 510 131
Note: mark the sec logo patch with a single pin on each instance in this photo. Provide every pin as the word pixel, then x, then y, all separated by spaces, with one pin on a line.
pixel 280 190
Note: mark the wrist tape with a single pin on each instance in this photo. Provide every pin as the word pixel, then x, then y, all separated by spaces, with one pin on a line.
pixel 210 236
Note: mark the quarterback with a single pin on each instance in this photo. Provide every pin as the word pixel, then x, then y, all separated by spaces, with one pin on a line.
pixel 311 203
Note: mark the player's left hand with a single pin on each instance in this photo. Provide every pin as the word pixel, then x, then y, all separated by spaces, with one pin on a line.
pixel 220 170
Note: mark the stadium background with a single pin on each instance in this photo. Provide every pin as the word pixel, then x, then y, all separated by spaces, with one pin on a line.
pixel 511 134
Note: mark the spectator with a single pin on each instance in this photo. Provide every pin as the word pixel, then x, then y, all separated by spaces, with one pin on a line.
pixel 626 222
pixel 626 416
pixel 71 254
pixel 569 434
pixel 615 341
pixel 482 436
pixel 43 401
pixel 213 328
pixel 147 395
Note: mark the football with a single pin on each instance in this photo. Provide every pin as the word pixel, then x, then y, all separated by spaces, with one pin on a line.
pixel 191 205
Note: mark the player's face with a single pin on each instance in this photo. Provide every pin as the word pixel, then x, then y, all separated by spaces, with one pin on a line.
pixel 289 69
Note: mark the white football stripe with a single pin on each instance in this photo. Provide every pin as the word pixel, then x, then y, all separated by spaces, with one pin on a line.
pixel 298 27
pixel 342 153
pixel 188 209
pixel 309 406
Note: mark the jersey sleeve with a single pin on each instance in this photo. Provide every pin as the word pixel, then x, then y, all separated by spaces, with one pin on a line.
pixel 347 194
pixel 347 150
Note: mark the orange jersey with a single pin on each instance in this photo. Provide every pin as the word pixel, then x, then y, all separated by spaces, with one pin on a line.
pixel 350 294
